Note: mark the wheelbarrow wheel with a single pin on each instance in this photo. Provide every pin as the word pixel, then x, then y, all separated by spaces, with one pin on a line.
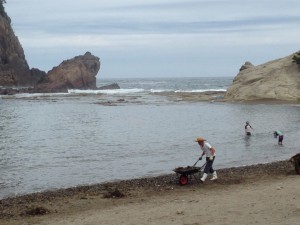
pixel 183 179
pixel 297 167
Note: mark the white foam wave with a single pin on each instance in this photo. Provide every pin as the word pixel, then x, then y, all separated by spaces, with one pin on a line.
pixel 32 95
pixel 159 90
pixel 112 91
pixel 186 91
pixel 199 90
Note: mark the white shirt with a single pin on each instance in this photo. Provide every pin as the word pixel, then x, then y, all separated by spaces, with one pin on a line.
pixel 206 149
pixel 248 128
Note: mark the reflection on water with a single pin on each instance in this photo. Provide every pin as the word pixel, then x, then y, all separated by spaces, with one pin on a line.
pixel 247 140
pixel 73 141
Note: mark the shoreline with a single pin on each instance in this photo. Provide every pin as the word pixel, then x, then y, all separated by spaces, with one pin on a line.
pixel 219 96
pixel 14 208
pixel 205 96
pixel 144 181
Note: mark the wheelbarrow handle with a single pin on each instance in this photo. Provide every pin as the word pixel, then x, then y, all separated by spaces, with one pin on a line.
pixel 203 166
pixel 196 162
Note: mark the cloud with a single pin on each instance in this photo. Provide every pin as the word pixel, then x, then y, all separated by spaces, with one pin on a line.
pixel 139 28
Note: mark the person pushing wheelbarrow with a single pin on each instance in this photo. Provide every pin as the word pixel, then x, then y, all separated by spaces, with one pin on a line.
pixel 210 154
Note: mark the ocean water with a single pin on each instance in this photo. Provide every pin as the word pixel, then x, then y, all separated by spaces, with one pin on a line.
pixel 50 141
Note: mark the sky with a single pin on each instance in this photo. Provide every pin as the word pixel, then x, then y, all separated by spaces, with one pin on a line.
pixel 157 38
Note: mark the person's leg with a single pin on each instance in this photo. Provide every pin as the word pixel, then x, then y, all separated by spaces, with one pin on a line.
pixel 208 166
pixel 211 170
pixel 280 140
pixel 214 177
pixel 214 173
pixel 206 169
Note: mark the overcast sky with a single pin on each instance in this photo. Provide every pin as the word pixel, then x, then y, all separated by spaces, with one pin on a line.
pixel 157 38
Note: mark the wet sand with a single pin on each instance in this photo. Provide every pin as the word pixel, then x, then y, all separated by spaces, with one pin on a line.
pixel 258 194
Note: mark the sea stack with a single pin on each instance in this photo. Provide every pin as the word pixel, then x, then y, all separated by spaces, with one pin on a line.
pixel 275 80
pixel 76 73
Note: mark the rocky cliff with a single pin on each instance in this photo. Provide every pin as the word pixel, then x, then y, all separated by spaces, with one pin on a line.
pixel 275 80
pixel 14 70
pixel 77 73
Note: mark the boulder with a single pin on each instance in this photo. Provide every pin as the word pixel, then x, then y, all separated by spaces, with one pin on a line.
pixel 295 160
pixel 275 80
pixel 109 87
pixel 8 91
pixel 76 73
pixel 247 65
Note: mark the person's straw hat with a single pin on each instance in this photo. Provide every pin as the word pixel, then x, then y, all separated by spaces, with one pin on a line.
pixel 199 139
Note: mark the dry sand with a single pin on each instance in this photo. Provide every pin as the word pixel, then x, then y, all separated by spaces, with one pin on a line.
pixel 260 194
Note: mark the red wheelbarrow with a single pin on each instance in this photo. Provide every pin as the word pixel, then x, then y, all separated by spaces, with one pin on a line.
pixel 186 173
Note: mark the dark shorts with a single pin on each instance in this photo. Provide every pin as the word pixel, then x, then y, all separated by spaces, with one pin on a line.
pixel 248 133
pixel 280 139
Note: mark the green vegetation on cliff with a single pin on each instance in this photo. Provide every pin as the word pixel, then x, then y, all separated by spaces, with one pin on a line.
pixel 296 58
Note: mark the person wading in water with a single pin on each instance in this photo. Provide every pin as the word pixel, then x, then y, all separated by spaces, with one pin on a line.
pixel 248 129
pixel 278 134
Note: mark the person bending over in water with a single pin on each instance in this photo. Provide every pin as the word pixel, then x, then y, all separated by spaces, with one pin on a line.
pixel 248 129
pixel 278 134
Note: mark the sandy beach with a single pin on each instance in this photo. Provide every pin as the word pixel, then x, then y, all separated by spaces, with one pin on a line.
pixel 258 194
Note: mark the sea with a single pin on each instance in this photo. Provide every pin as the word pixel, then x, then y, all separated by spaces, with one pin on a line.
pixel 61 140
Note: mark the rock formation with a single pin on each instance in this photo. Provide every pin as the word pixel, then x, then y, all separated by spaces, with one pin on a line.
pixel 109 87
pixel 274 80
pixel 77 73
pixel 247 65
pixel 14 70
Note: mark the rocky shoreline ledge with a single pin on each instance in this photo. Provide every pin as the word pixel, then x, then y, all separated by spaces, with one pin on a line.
pixel 194 97
pixel 49 202
pixel 219 96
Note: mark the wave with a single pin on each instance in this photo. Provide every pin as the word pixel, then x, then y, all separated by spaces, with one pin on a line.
pixel 201 90
pixel 188 91
pixel 112 91
pixel 31 95
pixel 160 90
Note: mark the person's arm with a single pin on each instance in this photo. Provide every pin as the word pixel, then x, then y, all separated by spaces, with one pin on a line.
pixel 212 150
pixel 200 158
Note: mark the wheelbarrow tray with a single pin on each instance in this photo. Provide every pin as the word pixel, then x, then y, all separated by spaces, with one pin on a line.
pixel 187 170
pixel 185 173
